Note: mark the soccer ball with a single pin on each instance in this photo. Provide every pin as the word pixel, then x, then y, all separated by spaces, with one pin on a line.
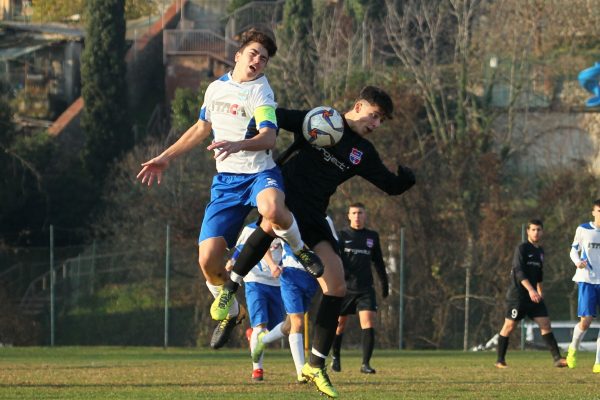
pixel 323 126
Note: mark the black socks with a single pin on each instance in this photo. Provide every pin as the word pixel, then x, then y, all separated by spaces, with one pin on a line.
pixel 368 343
pixel 325 326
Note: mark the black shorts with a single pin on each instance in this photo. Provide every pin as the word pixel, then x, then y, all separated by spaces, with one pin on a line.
pixel 517 310
pixel 312 225
pixel 359 301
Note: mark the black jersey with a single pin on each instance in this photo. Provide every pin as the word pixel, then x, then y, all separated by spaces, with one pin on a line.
pixel 360 248
pixel 528 263
pixel 314 173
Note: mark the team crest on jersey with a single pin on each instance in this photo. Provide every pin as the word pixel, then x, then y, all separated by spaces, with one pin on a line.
pixel 369 243
pixel 355 156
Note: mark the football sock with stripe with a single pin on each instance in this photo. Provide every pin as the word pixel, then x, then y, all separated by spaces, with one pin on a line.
pixel 324 329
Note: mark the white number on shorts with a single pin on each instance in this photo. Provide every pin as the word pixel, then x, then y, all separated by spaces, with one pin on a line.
pixel 514 312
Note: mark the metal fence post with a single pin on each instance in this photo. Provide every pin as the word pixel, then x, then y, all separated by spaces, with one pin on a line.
pixel 523 320
pixel 401 290
pixel 167 262
pixel 51 285
pixel 93 268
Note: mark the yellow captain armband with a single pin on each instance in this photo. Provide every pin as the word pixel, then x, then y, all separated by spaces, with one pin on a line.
pixel 265 117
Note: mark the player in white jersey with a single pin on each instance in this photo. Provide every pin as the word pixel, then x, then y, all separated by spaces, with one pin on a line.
pixel 585 254
pixel 297 290
pixel 239 110
pixel 263 296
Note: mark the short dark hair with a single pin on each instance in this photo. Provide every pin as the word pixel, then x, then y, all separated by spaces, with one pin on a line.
pixel 596 203
pixel 357 204
pixel 379 97
pixel 265 38
pixel 535 221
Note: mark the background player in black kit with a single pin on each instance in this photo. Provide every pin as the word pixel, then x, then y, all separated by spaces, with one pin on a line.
pixel 360 248
pixel 524 295
pixel 311 176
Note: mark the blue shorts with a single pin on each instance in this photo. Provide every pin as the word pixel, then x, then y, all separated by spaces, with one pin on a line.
pixel 232 197
pixel 264 304
pixel 588 298
pixel 297 290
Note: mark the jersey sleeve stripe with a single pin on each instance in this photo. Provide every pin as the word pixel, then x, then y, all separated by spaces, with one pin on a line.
pixel 267 124
pixel 202 115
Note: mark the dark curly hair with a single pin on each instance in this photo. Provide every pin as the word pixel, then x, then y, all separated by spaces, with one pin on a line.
pixel 379 97
pixel 265 38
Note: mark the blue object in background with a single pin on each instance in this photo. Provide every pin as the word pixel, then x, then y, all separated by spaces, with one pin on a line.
pixel 588 79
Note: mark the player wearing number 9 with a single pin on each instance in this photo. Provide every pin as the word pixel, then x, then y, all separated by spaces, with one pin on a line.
pixel 524 296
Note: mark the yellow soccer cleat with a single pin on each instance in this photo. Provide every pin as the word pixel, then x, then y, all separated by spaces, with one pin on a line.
pixel 259 348
pixel 319 377
pixel 221 305
pixel 596 369
pixel 572 357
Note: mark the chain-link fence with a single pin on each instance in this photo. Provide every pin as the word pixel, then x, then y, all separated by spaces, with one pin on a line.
pixel 155 296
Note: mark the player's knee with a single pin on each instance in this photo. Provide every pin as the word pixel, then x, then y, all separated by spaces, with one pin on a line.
pixel 212 273
pixel 585 323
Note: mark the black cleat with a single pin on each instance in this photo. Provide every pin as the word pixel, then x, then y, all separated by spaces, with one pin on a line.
pixel 310 261
pixel 223 330
pixel 366 369
pixel 336 364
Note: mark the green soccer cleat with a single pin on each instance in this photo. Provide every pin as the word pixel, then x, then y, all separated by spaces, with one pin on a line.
pixel 259 349
pixel 319 377
pixel 596 369
pixel 572 357
pixel 221 305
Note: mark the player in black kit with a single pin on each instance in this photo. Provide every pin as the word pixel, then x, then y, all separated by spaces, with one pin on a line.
pixel 360 248
pixel 524 295
pixel 311 176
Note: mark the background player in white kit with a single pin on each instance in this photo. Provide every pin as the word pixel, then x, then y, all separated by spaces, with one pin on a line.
pixel 585 254
pixel 263 296
pixel 297 290
pixel 239 111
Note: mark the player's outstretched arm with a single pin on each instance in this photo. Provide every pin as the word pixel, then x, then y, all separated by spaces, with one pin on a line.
pixel 152 169
pixel 263 141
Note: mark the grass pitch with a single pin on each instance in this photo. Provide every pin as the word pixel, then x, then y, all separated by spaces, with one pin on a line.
pixel 153 373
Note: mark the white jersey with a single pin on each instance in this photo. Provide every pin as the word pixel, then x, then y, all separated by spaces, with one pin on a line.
pixel 288 260
pixel 261 272
pixel 586 246
pixel 230 107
